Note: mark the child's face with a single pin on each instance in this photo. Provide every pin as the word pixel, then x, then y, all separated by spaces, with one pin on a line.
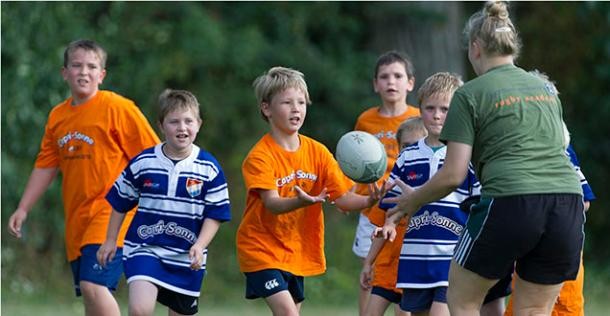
pixel 407 139
pixel 286 111
pixel 392 83
pixel 433 112
pixel 84 73
pixel 180 128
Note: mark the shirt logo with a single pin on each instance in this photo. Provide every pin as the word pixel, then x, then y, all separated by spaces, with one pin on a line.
pixel 414 176
pixel 194 186
pixel 148 183
pixel 271 284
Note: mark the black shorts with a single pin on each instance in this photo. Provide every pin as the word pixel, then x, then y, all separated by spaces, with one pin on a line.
pixel 389 295
pixel 502 288
pixel 265 283
pixel 543 233
pixel 178 302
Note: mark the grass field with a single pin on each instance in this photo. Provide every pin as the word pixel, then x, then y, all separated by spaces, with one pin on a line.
pixel 598 304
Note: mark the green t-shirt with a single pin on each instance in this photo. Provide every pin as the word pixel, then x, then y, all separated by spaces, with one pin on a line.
pixel 513 121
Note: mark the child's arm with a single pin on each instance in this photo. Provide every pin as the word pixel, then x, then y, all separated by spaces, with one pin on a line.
pixel 367 264
pixel 108 248
pixel 351 201
pixel 208 231
pixel 39 181
pixel 278 205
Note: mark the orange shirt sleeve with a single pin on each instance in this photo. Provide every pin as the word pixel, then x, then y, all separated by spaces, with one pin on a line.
pixel 131 130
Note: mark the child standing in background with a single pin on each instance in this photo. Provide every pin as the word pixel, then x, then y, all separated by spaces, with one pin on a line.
pixel 90 137
pixel 393 79
pixel 434 230
pixel 182 198
pixel 380 266
pixel 288 175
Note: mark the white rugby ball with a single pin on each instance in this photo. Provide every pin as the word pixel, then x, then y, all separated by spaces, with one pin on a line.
pixel 361 156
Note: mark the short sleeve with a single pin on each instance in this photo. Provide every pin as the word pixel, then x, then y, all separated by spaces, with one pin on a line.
pixel 459 125
pixel 217 205
pixel 48 156
pixel 337 183
pixel 132 131
pixel 257 171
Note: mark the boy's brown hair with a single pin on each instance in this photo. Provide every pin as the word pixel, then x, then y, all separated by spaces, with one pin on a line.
pixel 87 45
pixel 276 80
pixel 171 100
pixel 395 57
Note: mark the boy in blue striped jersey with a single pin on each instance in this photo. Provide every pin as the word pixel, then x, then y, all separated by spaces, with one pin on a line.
pixel 434 229
pixel 182 198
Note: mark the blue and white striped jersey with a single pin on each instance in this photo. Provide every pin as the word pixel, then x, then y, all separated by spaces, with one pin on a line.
pixel 586 188
pixel 173 201
pixel 433 230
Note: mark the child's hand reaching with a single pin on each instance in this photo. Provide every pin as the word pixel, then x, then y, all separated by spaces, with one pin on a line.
pixel 303 196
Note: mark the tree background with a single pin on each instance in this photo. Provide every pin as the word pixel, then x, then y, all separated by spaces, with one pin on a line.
pixel 216 49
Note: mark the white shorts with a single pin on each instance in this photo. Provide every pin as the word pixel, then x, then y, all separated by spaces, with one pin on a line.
pixel 362 242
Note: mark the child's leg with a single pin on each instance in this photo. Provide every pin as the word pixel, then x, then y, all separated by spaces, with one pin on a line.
pixel 361 246
pixel 439 309
pixel 142 298
pixel 282 304
pixel 400 312
pixel 94 282
pixel 98 300
pixel 376 306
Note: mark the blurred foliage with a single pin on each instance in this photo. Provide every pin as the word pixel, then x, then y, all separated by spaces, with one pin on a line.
pixel 216 49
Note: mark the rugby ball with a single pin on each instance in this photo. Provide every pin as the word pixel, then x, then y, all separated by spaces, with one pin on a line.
pixel 361 157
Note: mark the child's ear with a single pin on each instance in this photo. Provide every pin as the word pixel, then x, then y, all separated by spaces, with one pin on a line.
pixel 266 109
pixel 410 84
pixel 102 75
pixel 375 85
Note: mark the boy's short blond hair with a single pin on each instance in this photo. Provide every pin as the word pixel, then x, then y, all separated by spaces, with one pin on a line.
pixel 440 83
pixel 411 125
pixel 87 45
pixel 276 80
pixel 171 100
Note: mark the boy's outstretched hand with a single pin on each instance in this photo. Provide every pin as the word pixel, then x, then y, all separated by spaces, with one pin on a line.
pixel 404 206
pixel 376 192
pixel 320 198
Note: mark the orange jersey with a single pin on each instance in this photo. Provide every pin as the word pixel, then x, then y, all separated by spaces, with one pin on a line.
pixel 91 144
pixel 385 267
pixel 384 128
pixel 292 241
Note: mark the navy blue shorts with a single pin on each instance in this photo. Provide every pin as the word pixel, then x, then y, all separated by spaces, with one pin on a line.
pixel 389 295
pixel 265 283
pixel 86 268
pixel 418 300
pixel 543 233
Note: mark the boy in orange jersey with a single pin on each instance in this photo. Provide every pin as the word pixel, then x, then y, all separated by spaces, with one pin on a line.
pixel 90 138
pixel 381 264
pixel 393 79
pixel 288 175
